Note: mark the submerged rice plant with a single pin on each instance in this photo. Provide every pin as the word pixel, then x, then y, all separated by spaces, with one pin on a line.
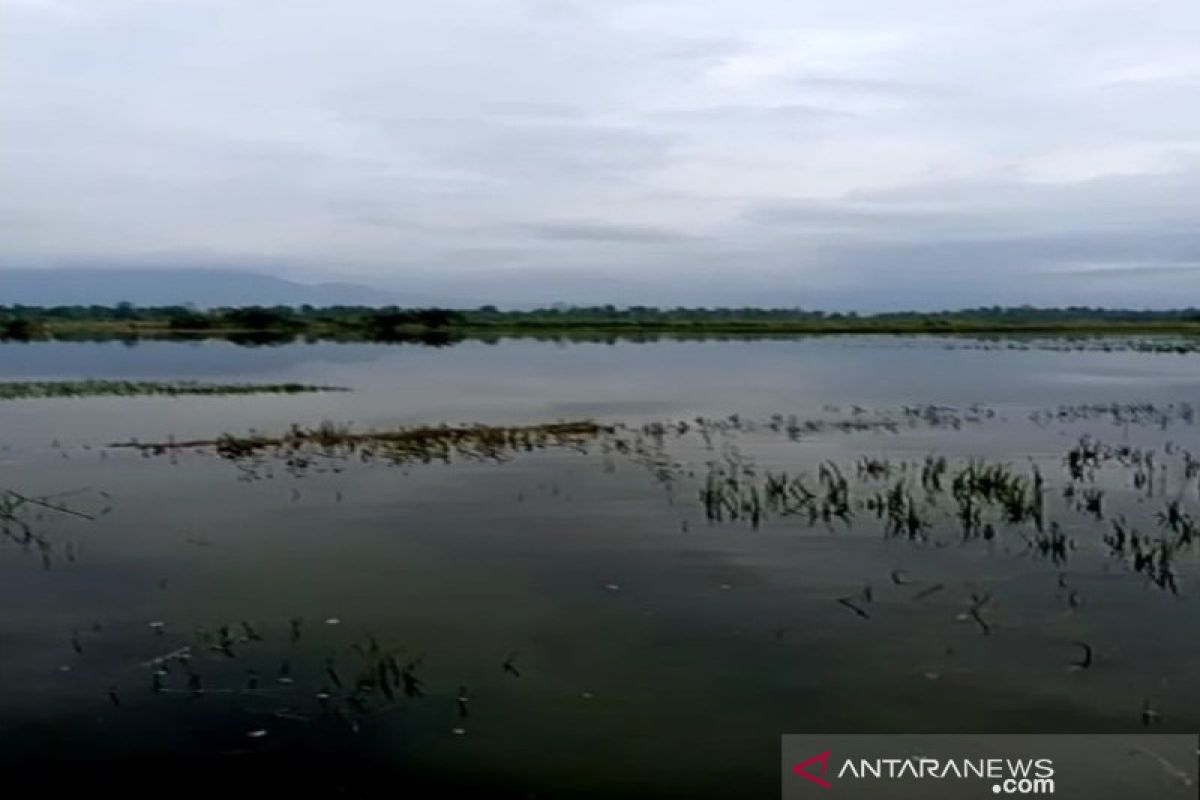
pixel 33 390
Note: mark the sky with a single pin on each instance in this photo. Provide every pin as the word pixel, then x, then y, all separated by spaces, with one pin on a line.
pixel 868 154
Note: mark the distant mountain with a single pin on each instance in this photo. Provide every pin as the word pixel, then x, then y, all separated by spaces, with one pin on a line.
pixel 204 288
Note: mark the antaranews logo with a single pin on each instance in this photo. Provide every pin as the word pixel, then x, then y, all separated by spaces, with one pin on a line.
pixel 801 769
pixel 982 766
pixel 1020 776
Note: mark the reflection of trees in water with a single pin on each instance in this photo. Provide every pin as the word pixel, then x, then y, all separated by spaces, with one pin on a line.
pixel 176 357
pixel 438 336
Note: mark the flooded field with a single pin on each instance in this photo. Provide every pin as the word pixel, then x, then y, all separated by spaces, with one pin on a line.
pixel 539 569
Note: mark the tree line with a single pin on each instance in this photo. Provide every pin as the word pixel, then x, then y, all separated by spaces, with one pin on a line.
pixel 18 321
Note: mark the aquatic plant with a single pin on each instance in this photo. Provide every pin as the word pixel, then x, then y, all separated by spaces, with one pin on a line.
pixel 20 515
pixel 920 500
pixel 414 444
pixel 30 390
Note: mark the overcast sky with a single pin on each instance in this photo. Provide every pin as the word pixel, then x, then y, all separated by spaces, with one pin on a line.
pixel 869 153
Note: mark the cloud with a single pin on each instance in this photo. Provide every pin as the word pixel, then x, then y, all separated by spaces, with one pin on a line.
pixel 849 215
pixel 601 232
pixel 865 153
pixel 1123 270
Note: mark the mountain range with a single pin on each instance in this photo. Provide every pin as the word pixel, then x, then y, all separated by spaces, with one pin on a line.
pixel 204 288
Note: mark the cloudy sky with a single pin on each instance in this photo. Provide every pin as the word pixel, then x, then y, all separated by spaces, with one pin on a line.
pixel 866 153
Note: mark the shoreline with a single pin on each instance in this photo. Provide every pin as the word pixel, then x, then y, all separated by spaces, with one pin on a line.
pixel 102 330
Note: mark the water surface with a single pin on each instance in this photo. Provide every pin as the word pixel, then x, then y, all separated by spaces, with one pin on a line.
pixel 650 651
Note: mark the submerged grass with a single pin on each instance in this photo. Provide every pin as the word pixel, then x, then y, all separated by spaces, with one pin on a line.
pixel 31 390
pixel 21 516
pixel 933 501
pixel 971 499
pixel 421 444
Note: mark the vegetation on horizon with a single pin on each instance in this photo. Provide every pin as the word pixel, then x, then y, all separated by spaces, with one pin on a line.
pixel 394 323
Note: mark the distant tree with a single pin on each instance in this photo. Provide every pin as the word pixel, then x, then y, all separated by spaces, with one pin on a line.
pixel 438 317
pixel 259 318
pixel 186 319
pixel 19 329
pixel 389 323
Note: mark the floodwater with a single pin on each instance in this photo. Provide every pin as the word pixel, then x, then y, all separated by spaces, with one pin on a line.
pixel 575 624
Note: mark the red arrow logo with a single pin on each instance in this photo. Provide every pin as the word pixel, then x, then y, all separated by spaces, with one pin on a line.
pixel 801 769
